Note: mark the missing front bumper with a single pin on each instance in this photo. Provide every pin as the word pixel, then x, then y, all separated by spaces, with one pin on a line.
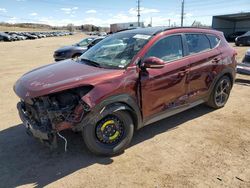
pixel 32 128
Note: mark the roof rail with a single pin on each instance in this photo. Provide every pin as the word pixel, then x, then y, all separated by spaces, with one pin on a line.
pixel 171 28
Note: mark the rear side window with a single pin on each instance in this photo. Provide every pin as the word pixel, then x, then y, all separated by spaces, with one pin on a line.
pixel 214 41
pixel 167 49
pixel 197 43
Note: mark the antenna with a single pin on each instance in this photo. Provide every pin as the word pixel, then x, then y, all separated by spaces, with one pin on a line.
pixel 139 11
pixel 182 12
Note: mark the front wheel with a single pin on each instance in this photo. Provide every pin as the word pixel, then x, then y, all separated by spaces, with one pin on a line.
pixel 111 135
pixel 220 93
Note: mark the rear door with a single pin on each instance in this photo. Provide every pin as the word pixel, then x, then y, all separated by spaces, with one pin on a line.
pixel 166 88
pixel 203 57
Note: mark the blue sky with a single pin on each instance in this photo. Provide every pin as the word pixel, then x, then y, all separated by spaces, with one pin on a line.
pixel 105 12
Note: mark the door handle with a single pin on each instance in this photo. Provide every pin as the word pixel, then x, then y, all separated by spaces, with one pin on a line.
pixel 216 60
pixel 182 73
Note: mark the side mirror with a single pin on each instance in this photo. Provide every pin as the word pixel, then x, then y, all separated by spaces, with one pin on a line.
pixel 153 63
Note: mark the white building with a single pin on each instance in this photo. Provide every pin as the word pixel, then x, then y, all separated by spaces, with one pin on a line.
pixel 123 26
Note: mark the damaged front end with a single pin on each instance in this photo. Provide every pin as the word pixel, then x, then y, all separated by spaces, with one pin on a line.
pixel 44 117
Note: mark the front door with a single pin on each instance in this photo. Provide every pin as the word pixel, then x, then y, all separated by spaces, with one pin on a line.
pixel 166 88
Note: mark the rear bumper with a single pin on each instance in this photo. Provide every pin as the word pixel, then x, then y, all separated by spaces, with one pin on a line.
pixel 31 127
pixel 243 69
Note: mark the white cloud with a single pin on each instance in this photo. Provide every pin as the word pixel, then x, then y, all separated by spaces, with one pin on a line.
pixel 91 11
pixel 69 10
pixel 33 14
pixel 133 11
pixel 12 20
pixel 66 10
pixel 3 10
pixel 129 16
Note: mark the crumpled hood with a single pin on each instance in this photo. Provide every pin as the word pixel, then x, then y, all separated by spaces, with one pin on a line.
pixel 59 76
pixel 68 48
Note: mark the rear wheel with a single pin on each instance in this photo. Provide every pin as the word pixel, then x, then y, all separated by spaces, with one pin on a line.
pixel 220 93
pixel 111 135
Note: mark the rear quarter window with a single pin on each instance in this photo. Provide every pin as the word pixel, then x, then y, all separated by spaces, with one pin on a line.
pixel 214 40
pixel 197 43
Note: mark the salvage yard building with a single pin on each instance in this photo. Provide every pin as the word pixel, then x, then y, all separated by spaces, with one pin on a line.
pixel 231 23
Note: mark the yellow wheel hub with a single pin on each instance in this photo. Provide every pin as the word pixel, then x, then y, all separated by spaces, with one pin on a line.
pixel 107 123
pixel 110 130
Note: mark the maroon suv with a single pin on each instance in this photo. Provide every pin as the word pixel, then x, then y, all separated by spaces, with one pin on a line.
pixel 128 80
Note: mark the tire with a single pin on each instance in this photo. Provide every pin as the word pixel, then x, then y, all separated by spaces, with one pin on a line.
pixel 91 135
pixel 237 44
pixel 220 93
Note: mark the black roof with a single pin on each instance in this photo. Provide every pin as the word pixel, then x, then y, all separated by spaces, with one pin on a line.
pixel 235 17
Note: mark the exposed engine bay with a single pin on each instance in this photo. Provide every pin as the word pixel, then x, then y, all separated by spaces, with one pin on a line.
pixel 46 116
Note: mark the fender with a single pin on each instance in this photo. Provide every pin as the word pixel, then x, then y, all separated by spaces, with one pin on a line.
pixel 226 71
pixel 113 104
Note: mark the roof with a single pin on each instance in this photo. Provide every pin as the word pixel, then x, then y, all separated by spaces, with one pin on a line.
pixel 155 30
pixel 147 30
pixel 235 17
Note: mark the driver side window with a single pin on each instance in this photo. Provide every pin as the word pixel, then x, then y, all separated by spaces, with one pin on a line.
pixel 168 49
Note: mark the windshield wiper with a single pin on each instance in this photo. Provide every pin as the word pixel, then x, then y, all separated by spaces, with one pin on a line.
pixel 90 62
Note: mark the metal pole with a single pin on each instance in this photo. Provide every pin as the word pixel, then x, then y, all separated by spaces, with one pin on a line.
pixel 138 10
pixel 182 12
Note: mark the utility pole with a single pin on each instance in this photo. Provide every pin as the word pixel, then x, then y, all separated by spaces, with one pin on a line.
pixel 182 12
pixel 139 11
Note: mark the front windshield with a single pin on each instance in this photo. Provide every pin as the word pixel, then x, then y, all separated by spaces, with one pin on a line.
pixel 116 50
pixel 85 42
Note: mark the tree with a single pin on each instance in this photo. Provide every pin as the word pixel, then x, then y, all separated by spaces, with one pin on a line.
pixel 70 27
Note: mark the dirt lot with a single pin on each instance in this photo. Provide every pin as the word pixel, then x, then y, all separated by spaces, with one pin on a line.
pixel 197 148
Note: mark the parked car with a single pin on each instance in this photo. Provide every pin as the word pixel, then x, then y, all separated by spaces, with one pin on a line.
pixel 244 67
pixel 5 37
pixel 75 50
pixel 30 36
pixel 102 34
pixel 110 92
pixel 233 36
pixel 243 39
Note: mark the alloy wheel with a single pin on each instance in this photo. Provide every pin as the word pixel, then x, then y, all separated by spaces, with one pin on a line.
pixel 222 92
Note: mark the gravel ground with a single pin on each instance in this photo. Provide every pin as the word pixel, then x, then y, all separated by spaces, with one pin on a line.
pixel 197 148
